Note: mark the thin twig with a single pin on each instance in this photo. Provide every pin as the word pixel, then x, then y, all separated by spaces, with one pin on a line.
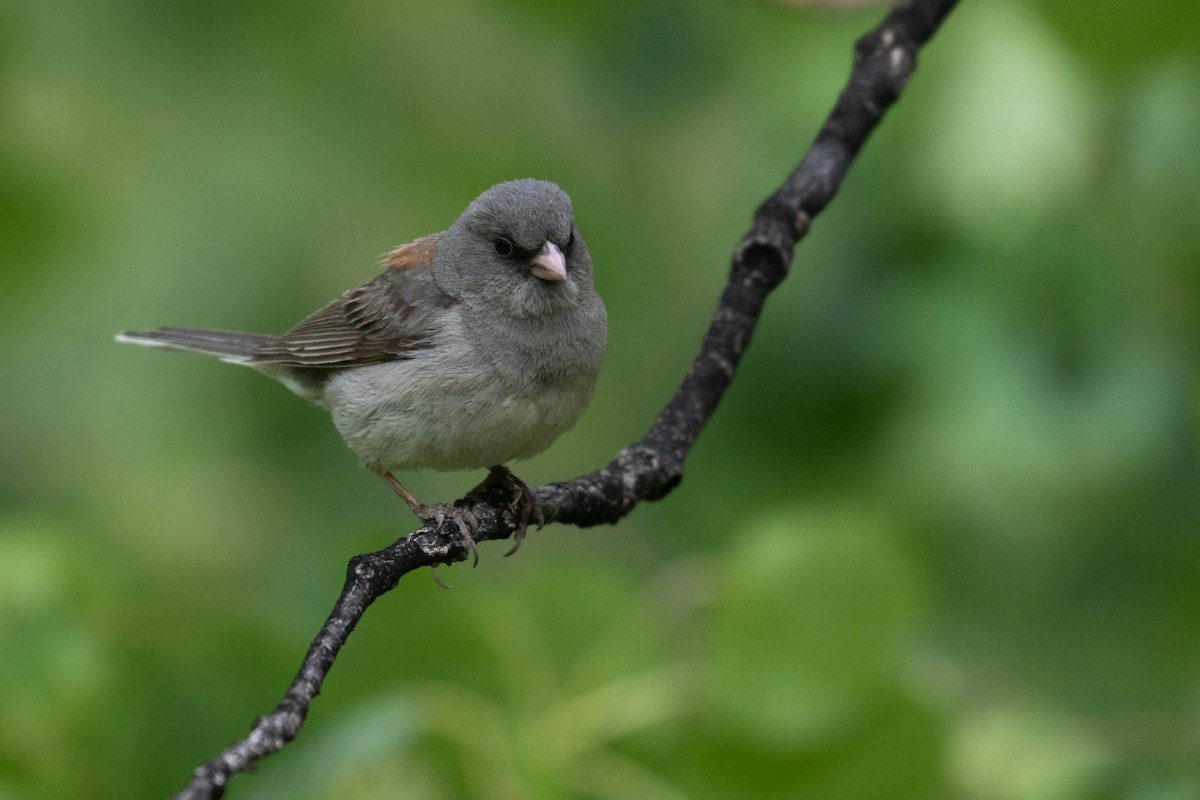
pixel 651 467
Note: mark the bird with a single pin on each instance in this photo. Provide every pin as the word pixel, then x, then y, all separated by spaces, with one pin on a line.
pixel 476 346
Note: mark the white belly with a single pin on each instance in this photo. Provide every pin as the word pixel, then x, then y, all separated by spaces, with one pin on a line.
pixel 463 414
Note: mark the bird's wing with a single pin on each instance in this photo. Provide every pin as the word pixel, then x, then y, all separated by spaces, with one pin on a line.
pixel 390 317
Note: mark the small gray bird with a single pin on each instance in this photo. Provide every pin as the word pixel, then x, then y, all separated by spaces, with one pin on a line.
pixel 476 346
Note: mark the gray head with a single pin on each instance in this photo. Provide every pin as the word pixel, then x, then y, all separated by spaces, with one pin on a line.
pixel 516 247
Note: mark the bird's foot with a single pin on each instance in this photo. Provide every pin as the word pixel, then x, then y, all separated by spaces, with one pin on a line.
pixel 437 516
pixel 523 501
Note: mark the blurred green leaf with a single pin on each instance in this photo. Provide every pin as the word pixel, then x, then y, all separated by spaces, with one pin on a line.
pixel 1027 754
pixel 939 539
pixel 811 619
pixel 1118 36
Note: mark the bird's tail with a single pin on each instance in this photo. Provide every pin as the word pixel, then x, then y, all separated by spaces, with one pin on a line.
pixel 235 347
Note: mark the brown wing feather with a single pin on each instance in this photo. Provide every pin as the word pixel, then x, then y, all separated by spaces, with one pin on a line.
pixel 375 322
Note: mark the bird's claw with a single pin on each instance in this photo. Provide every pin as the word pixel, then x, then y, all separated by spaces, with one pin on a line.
pixel 436 579
pixel 523 501
pixel 464 522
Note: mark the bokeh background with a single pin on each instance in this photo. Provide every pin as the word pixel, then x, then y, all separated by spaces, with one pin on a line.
pixel 941 539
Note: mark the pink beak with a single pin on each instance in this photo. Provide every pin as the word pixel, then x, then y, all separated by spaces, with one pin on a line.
pixel 550 264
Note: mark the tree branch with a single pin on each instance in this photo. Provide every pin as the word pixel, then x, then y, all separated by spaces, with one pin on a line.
pixel 651 467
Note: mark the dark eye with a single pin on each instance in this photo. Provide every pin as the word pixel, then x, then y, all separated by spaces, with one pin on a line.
pixel 570 242
pixel 504 246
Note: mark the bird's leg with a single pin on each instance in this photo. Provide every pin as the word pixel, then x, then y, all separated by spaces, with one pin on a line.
pixel 437 515
pixel 522 499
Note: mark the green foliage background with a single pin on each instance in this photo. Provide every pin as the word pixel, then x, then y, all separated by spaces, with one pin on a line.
pixel 940 540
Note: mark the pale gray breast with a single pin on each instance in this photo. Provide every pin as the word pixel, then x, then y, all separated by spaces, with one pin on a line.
pixel 469 400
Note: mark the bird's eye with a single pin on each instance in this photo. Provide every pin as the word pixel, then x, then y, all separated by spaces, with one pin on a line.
pixel 504 246
pixel 570 241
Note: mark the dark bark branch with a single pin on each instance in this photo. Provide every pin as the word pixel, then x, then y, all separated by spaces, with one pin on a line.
pixel 651 467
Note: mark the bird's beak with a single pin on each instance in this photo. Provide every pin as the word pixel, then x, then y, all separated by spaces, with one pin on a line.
pixel 549 264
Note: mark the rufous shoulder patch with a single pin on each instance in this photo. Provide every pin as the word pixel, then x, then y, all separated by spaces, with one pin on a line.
pixel 417 253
